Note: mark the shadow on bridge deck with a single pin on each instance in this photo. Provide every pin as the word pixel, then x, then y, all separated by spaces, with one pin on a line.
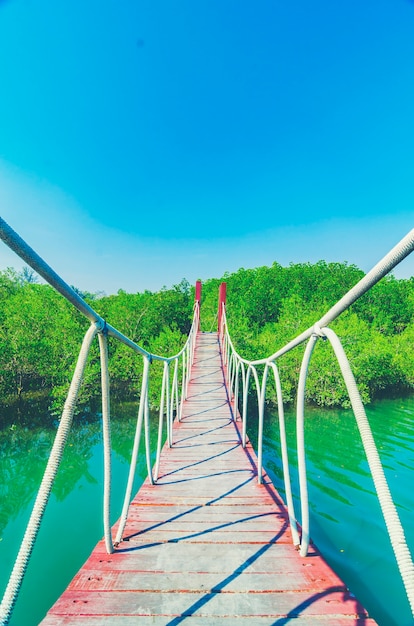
pixel 207 544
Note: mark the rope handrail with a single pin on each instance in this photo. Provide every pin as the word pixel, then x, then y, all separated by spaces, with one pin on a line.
pixel 171 399
pixel 240 367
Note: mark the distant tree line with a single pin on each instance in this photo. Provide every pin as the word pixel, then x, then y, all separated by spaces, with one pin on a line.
pixel 40 333
pixel 269 306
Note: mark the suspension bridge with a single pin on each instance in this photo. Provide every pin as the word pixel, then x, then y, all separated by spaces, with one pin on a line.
pixel 207 538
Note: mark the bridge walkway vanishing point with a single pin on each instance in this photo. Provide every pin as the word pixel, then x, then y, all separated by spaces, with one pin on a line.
pixel 207 543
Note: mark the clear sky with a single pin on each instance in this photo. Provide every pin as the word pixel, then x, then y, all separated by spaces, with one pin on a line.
pixel 146 141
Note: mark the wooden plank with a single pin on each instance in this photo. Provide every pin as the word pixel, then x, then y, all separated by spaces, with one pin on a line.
pixel 171 581
pixel 208 557
pixel 211 605
pixel 207 544
pixel 195 620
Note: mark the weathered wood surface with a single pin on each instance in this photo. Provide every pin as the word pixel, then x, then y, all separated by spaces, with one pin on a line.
pixel 207 544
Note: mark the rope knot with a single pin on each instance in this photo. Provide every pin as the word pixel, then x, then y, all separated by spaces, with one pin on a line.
pixel 318 331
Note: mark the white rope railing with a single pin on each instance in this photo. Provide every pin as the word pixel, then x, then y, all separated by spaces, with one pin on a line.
pixel 22 560
pixel 243 371
pixel 106 433
pixel 171 399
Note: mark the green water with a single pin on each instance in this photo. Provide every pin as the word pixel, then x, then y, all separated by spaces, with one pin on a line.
pixel 72 524
pixel 346 522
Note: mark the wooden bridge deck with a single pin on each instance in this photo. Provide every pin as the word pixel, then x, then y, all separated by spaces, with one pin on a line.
pixel 207 544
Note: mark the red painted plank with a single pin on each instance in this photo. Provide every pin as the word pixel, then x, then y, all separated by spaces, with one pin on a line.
pixel 194 620
pixel 207 544
pixel 211 604
pixel 161 582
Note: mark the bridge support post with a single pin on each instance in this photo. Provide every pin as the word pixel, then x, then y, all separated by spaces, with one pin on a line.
pixel 198 291
pixel 197 298
pixel 222 300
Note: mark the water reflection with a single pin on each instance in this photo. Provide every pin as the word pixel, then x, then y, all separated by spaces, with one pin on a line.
pixel 74 511
pixel 24 453
pixel 23 457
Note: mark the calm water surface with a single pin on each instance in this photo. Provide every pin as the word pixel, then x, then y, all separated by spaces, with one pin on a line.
pixel 346 522
pixel 346 519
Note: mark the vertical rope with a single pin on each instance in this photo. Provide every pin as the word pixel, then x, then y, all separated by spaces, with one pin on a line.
pixel 246 380
pixel 147 434
pixel 167 402
pixel 389 511
pixel 174 395
pixel 260 430
pixel 285 458
pixel 235 389
pixel 20 566
pixel 188 369
pixel 106 435
pixel 300 436
pixel 183 379
pixel 134 456
pixel 164 390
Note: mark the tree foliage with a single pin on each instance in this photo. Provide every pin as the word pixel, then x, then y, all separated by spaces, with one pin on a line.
pixel 269 306
pixel 41 334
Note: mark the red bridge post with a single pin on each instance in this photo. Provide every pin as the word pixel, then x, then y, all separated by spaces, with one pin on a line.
pixel 198 291
pixel 222 300
pixel 197 299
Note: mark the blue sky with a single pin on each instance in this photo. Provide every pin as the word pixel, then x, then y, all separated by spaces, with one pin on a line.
pixel 142 142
